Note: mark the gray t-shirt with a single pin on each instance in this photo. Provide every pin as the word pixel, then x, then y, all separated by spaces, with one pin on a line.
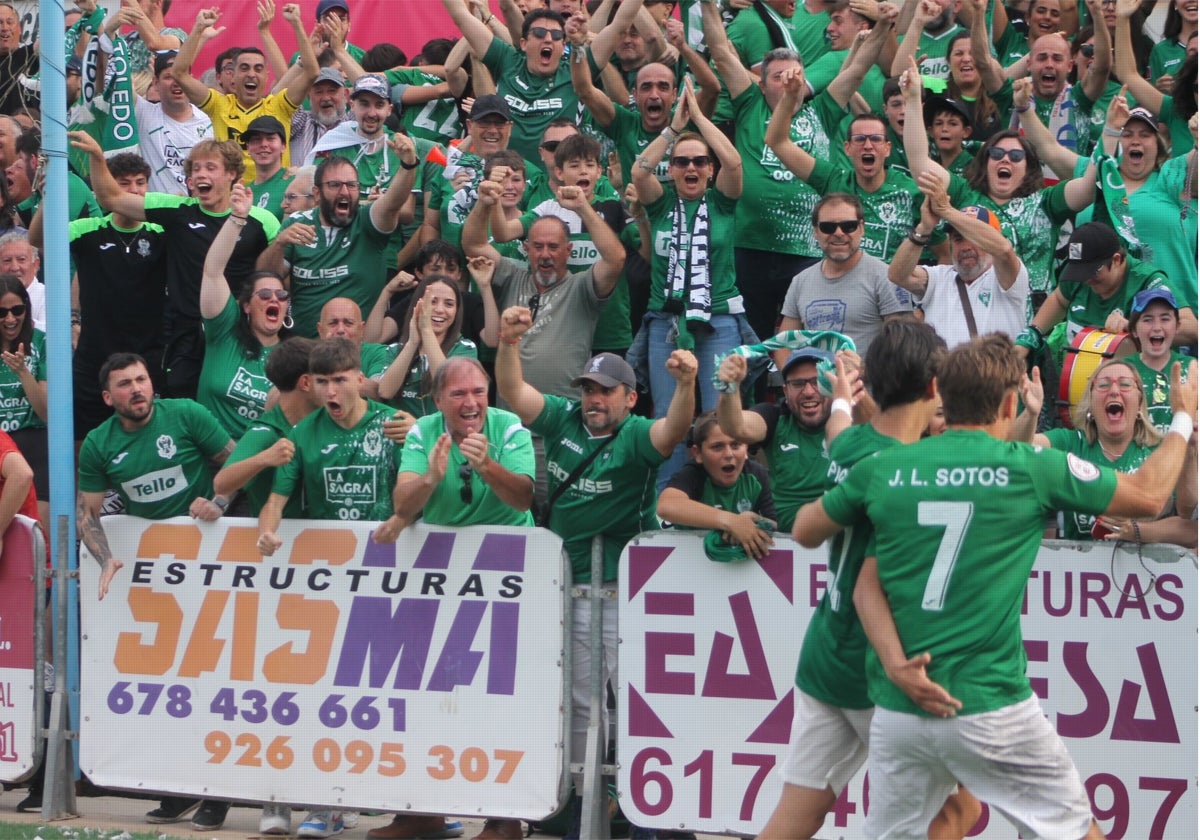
pixel 558 345
pixel 853 304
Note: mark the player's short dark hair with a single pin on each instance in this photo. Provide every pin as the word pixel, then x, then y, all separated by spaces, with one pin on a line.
pixel 333 355
pixel 578 147
pixel 119 361
pixel 901 361
pixel 127 164
pixel 449 366
pixel 436 249
pixel 540 14
pixel 436 50
pixel 383 56
pixel 288 362
pixel 974 378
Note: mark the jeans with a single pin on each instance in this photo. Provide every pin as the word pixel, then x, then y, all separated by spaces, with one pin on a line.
pixel 763 278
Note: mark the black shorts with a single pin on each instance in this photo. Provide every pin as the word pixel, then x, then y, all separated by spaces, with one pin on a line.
pixel 34 445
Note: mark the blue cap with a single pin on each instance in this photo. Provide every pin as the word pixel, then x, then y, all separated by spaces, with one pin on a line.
pixel 1147 296
pixel 807 354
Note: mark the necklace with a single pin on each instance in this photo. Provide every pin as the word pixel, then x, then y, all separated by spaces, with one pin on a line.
pixel 1112 456
pixel 128 243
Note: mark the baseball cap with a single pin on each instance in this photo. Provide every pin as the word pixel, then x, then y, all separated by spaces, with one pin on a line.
pixel 490 105
pixel 1090 247
pixel 1147 296
pixel 373 84
pixel 329 74
pixel 264 125
pixel 936 104
pixel 75 65
pixel 325 5
pixel 982 214
pixel 608 370
pixel 1143 115
pixel 807 354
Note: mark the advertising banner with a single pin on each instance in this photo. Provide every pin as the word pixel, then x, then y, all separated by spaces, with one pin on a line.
pixel 424 675
pixel 19 678
pixel 708 660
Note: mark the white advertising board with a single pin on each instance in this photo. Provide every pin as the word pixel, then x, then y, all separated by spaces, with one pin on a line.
pixel 708 659
pixel 20 676
pixel 425 675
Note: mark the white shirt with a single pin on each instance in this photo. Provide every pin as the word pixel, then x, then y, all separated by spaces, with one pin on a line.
pixel 165 144
pixel 37 304
pixel 995 309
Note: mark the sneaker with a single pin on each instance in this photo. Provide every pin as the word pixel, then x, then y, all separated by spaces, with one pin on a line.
pixel 31 803
pixel 211 815
pixel 172 809
pixel 451 828
pixel 321 824
pixel 275 820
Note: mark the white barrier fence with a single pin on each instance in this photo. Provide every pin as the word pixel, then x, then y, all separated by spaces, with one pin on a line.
pixel 708 659
pixel 20 661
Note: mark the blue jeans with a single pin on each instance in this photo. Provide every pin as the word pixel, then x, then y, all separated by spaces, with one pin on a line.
pixel 729 331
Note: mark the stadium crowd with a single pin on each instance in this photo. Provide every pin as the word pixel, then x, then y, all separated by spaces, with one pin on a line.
pixel 680 230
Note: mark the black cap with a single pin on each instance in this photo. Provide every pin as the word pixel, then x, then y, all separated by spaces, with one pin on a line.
pixel 163 60
pixel 608 370
pixel 936 104
pixel 74 65
pixel 1089 248
pixel 264 125
pixel 490 105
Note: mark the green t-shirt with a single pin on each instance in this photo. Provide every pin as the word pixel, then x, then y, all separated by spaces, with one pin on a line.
pixel 1157 386
pixel 509 445
pixel 1072 126
pixel 750 491
pixel 1166 57
pixel 833 659
pixel 775 210
pixel 435 120
pixel 889 213
pixel 535 101
pixel 376 170
pixel 342 262
pixel 453 206
pixel 412 397
pixel 1181 137
pixel 798 459
pixel 934 51
pixel 269 194
pixel 1077 525
pixel 232 385
pixel 346 474
pixel 261 435
pixel 631 139
pixel 1085 308
pixel 750 37
pixel 724 293
pixel 614 497
pixel 81 204
pixel 958 522
pixel 824 70
pixel 1031 223
pixel 16 412
pixel 159 468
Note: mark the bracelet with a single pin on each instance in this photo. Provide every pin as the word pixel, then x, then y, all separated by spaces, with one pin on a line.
pixel 488 22
pixel 840 404
pixel 1137 531
pixel 1181 423
pixel 921 239
pixel 221 502
pixel 409 166
pixel 1021 109
pixel 517 340
pixel 671 129
pixel 238 221
pixel 1111 132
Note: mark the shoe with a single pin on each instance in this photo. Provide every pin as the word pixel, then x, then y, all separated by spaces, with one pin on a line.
pixel 410 827
pixel 172 809
pixel 321 824
pixel 494 829
pixel 275 820
pixel 31 803
pixel 450 828
pixel 211 815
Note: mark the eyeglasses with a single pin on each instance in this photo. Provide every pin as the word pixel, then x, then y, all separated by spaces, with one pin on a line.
pixel 859 139
pixel 535 303
pixel 845 226
pixel 802 382
pixel 1088 50
pixel 297 196
pixel 466 493
pixel 698 161
pixel 1123 383
pixel 16 311
pixel 338 186
pixel 267 294
pixel 1015 155
pixel 550 146
pixel 542 32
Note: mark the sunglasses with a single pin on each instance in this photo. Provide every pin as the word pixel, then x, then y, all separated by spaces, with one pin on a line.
pixel 267 294
pixel 542 32
pixel 466 493
pixel 699 161
pixel 1015 155
pixel 859 139
pixel 16 311
pixel 550 146
pixel 1088 50
pixel 535 303
pixel 845 226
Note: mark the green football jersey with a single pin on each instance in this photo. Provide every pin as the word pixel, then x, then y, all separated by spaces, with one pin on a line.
pixel 536 101
pixel 833 659
pixel 1077 525
pixel 262 434
pixel 345 474
pixel 889 213
pixel 614 497
pixel 435 120
pixel 798 459
pixel 269 194
pixel 958 522
pixel 412 397
pixel 1157 386
pixel 452 503
pixel 1085 308
pixel 232 385
pixel 721 210
pixel 16 412
pixel 158 469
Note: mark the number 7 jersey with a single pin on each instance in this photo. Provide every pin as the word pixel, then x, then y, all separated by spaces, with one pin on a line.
pixel 958 521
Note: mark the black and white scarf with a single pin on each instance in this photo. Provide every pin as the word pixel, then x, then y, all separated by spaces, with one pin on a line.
pixel 689 275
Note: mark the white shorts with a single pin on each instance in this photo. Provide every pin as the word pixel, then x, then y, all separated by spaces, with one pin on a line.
pixel 1011 758
pixel 828 746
